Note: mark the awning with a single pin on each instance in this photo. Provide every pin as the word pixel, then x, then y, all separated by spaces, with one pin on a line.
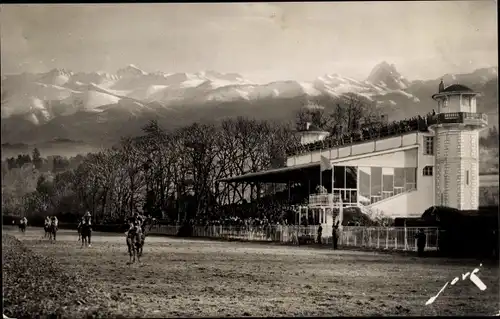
pixel 295 173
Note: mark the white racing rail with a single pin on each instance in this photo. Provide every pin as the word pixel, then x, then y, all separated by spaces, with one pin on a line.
pixel 385 238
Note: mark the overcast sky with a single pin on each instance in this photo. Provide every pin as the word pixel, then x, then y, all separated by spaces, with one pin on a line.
pixel 262 41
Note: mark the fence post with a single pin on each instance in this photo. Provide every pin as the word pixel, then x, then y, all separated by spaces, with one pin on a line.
pixel 426 238
pixel 386 238
pixel 378 237
pixel 370 237
pixel 406 239
pixel 437 239
pixel 355 239
pixel 396 241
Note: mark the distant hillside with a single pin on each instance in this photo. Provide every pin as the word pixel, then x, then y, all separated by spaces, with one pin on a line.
pixel 61 147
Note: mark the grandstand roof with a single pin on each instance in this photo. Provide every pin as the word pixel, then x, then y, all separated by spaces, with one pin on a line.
pixel 278 175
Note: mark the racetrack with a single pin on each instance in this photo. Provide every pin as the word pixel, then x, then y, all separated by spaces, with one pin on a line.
pixel 179 277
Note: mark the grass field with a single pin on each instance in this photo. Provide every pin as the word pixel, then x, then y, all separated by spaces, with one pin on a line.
pixel 178 277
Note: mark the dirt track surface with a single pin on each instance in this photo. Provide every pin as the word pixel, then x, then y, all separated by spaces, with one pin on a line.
pixel 208 278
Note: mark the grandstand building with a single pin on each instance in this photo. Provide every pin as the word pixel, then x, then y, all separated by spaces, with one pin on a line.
pixel 399 171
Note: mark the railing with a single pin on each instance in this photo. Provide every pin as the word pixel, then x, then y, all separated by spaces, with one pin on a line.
pixel 321 199
pixel 392 238
pixel 387 194
pixel 398 190
pixel 404 127
pixel 459 118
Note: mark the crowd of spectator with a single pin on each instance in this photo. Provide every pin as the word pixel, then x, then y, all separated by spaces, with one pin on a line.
pixel 339 137
pixel 256 214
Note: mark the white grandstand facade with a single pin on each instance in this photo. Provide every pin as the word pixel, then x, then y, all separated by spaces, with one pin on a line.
pixel 399 175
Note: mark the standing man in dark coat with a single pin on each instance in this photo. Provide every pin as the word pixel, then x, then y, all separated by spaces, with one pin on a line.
pixel 320 231
pixel 495 243
pixel 421 238
pixel 335 236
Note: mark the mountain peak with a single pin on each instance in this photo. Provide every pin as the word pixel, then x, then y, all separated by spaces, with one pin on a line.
pixel 130 70
pixel 58 71
pixel 386 75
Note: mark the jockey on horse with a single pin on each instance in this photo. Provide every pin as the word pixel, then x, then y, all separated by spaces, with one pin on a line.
pixel 22 224
pixel 46 226
pixel 136 234
pixel 53 227
pixel 134 237
pixel 85 229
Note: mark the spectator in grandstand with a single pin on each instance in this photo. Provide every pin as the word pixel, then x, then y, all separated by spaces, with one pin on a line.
pixel 420 236
pixel 368 131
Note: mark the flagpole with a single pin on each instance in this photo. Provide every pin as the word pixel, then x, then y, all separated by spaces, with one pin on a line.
pixel 320 179
pixel 332 181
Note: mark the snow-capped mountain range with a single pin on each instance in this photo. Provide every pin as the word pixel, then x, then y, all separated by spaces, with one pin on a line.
pixel 99 106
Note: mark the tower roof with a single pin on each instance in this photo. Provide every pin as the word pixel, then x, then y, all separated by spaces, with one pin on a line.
pixel 457 88
pixel 453 89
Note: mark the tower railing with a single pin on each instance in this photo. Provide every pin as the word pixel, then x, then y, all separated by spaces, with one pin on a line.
pixel 459 118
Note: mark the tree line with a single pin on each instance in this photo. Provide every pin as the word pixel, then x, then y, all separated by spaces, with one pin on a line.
pixel 490 140
pixel 55 163
pixel 163 173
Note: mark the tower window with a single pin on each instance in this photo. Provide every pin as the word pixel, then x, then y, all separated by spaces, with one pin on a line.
pixel 429 145
pixel 445 102
pixel 428 170
pixel 467 177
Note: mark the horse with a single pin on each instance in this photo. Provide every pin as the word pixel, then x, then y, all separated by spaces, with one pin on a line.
pixel 22 226
pixel 46 227
pixel 134 243
pixel 85 231
pixel 52 231
pixel 79 230
pixel 136 239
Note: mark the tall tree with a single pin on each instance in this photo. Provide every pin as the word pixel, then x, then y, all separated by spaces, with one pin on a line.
pixel 37 158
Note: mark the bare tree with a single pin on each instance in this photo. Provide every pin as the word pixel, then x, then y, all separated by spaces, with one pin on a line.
pixel 131 161
pixel 314 114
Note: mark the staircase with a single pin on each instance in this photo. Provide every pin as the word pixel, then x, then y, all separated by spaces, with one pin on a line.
pixel 375 213
pixel 372 212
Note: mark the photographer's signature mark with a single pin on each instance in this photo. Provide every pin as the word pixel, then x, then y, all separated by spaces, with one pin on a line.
pixel 473 277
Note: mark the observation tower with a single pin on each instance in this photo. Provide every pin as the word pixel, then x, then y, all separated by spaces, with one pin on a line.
pixel 456 127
